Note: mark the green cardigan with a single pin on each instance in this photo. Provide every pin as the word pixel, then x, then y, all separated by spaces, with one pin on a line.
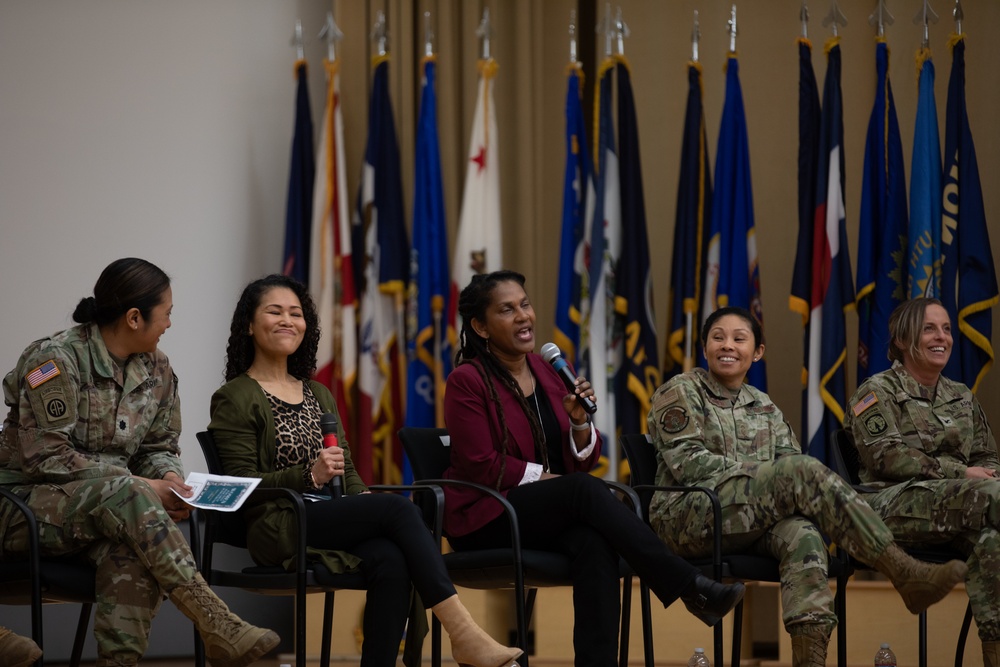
pixel 243 429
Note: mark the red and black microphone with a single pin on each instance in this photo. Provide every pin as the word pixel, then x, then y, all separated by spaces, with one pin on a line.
pixel 328 425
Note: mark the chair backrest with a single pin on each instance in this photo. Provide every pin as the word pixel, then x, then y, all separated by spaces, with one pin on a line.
pixel 211 453
pixel 225 527
pixel 429 451
pixel 845 459
pixel 641 457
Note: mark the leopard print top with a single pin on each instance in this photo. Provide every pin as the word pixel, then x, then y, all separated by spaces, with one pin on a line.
pixel 299 439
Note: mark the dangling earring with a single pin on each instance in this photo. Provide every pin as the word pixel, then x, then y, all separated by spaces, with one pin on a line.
pixel 249 332
pixel 488 346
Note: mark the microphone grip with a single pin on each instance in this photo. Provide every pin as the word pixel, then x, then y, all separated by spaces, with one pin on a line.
pixel 336 484
pixel 562 368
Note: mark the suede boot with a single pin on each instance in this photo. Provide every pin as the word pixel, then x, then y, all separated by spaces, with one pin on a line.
pixel 991 654
pixel 710 600
pixel 470 645
pixel 920 584
pixel 809 643
pixel 17 651
pixel 229 641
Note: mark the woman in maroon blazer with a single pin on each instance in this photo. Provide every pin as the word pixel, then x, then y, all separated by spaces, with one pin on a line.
pixel 514 427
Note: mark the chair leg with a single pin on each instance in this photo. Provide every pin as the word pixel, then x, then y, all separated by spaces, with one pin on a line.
pixel 435 641
pixel 324 655
pixel 840 608
pixel 647 625
pixel 717 640
pixel 81 634
pixel 626 622
pixel 737 633
pixel 922 639
pixel 963 635
pixel 300 630
pixel 524 621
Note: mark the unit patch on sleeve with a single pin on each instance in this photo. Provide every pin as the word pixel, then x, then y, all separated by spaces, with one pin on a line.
pixel 42 374
pixel 674 419
pixel 875 423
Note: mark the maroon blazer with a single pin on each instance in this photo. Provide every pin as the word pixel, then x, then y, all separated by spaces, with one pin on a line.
pixel 474 426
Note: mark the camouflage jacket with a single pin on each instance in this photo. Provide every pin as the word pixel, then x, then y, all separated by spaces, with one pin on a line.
pixel 704 438
pixel 75 415
pixel 905 431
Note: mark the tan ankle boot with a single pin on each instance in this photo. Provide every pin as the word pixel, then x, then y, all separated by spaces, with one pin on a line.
pixel 229 641
pixel 991 654
pixel 470 645
pixel 920 584
pixel 17 651
pixel 809 644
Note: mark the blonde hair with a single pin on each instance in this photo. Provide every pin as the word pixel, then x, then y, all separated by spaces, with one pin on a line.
pixel 905 324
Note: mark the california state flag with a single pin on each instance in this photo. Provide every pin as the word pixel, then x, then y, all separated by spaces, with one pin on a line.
pixel 479 246
pixel 331 275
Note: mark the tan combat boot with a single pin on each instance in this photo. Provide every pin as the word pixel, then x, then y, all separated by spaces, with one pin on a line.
pixel 229 641
pixel 920 584
pixel 470 645
pixel 17 651
pixel 809 644
pixel 991 654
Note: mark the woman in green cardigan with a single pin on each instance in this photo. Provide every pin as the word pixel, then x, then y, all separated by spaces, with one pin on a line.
pixel 266 424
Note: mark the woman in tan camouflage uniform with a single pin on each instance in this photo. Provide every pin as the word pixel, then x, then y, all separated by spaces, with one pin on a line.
pixel 925 444
pixel 712 430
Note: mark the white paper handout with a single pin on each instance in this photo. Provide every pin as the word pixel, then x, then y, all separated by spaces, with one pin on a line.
pixel 218 492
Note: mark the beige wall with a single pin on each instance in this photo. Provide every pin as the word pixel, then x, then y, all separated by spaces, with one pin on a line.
pixel 531 45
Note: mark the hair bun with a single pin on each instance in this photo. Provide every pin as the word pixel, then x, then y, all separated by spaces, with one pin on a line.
pixel 86 310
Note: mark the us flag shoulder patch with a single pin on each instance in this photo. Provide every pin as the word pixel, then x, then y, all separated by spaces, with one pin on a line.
pixel 869 400
pixel 42 374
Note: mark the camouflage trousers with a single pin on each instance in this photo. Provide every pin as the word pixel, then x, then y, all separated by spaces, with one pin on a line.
pixel 783 510
pixel 964 514
pixel 119 525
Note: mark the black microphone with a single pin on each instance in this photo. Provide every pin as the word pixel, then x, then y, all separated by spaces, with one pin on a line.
pixel 328 425
pixel 552 354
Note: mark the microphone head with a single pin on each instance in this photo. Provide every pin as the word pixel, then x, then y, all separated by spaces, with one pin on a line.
pixel 550 352
pixel 328 423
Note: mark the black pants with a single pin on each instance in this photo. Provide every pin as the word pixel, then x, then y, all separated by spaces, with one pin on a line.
pixel 388 533
pixel 577 515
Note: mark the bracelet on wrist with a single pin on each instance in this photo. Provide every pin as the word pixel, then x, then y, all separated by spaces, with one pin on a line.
pixel 585 426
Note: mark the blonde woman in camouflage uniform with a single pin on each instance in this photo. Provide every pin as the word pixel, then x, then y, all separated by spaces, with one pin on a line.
pixel 90 443
pixel 925 444
pixel 712 430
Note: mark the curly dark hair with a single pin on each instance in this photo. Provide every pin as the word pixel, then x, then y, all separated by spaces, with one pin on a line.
pixel 240 350
pixel 472 304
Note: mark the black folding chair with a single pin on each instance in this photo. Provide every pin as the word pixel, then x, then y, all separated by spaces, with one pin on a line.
pixel 522 570
pixel 847 463
pixel 641 457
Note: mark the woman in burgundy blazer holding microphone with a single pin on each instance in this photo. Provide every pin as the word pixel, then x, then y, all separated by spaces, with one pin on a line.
pixel 516 427
pixel 267 422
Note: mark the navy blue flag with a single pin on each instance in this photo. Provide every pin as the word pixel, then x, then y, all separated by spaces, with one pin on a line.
pixel 831 291
pixel 429 342
pixel 382 274
pixel 968 281
pixel 694 211
pixel 298 210
pixel 882 239
pixel 577 190
pixel 639 375
pixel 732 273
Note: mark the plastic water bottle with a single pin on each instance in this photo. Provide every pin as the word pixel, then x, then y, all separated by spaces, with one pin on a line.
pixel 885 657
pixel 699 659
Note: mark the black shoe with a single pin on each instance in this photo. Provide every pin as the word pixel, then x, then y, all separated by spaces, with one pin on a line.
pixel 709 600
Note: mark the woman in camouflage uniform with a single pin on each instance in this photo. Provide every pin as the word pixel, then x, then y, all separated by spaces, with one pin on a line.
pixel 712 430
pixel 925 444
pixel 90 443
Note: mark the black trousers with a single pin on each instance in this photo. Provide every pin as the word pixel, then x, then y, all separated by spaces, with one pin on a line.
pixel 577 515
pixel 397 551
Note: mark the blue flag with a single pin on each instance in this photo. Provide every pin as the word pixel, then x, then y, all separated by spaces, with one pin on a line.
pixel 831 291
pixel 924 270
pixel 577 188
pixel 298 209
pixel 382 273
pixel 968 281
pixel 732 273
pixel 639 375
pixel 882 243
pixel 429 341
pixel 694 211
